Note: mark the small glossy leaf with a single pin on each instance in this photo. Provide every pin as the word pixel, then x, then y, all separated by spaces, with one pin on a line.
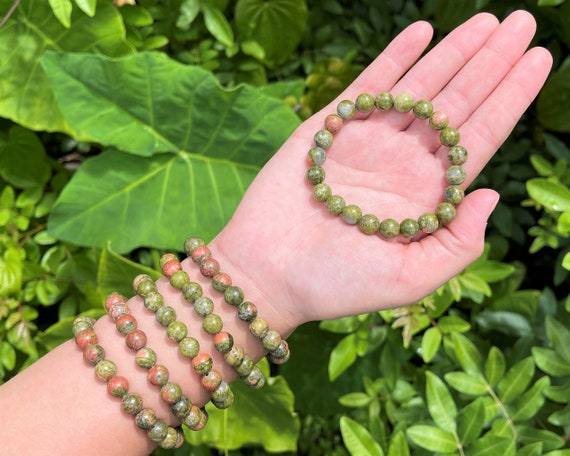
pixel 541 165
pixel 357 439
pixel 62 10
pixel 218 25
pixel 550 362
pixel 343 325
pixel 495 366
pixel 451 323
pixel 492 271
pixel 11 270
pixel 558 393
pixel 468 356
pixel 550 440
pixel 558 452
pixel 432 438
pixel 7 355
pixel 441 405
pixel 550 194
pixel 87 6
pixel 516 380
pixel 505 322
pixel 470 421
pixel 342 356
pixel 560 417
pixel 559 336
pixel 431 341
pixel 528 404
pixel 490 445
pixel 189 10
pixel 532 449
pixel 470 384
pixel 398 445
pixel 355 400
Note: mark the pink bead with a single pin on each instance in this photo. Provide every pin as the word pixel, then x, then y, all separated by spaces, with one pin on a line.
pixel 86 338
pixel 333 123
pixel 170 267
pixel 209 267
pixel 112 299
pixel 201 253
pixel 136 339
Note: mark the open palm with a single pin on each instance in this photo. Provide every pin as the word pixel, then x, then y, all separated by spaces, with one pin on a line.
pixel 307 264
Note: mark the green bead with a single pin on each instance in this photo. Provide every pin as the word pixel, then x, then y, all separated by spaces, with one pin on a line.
pixel 94 354
pixel 189 347
pixel 281 354
pixel 423 109
pixel 181 408
pixel 192 244
pixel 449 136
pixel 322 192
pixel 105 370
pixel 233 295
pixel 403 102
pixel 145 287
pixel 202 363
pixel 346 109
pixel 409 227
pixel 438 120
pixel 428 222
pixel 454 195
pixel 131 403
pixel 234 356
pixel 445 212
pixel 222 396
pixel 364 103
pixel 171 393
pixel 176 331
pixel 145 357
pixel 158 431
pixel 212 324
pixel 335 204
pixel 165 315
pixel 192 291
pixel 153 301
pixel 323 139
pixel 369 224
pixel 203 306
pixel 179 279
pixel 389 228
pixel 455 175
pixel 247 311
pixel 223 342
pixel 351 214
pixel 255 379
pixel 271 340
pixel 384 101
pixel 81 324
pixel 317 156
pixel 315 175
pixel 246 366
pixel 258 327
pixel 145 419
pixel 172 439
pixel 457 155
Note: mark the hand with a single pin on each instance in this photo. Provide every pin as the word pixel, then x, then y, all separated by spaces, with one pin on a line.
pixel 306 264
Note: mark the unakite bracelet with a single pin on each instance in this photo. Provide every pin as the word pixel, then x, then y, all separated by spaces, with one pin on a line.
pixel 369 223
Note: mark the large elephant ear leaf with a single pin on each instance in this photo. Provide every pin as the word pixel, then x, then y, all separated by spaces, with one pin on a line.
pixel 33 29
pixel 188 149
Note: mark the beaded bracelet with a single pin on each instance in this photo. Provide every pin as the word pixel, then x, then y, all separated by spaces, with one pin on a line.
pixel 221 394
pixel 278 349
pixel 156 429
pixel 369 223
pixel 145 357
pixel 234 355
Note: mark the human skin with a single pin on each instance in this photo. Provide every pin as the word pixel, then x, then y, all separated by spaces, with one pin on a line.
pixel 294 260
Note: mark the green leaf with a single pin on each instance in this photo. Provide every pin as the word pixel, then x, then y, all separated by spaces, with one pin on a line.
pixel 549 439
pixel 26 97
pixel 528 404
pixel 11 270
pixel 431 341
pixel 8 355
pixel 489 445
pixel 398 445
pixel 551 113
pixel 452 323
pixel 475 283
pixel 532 449
pixel 342 325
pixel 550 2
pixel 558 393
pixel 357 439
pixel 560 417
pixel 87 6
pixel 470 384
pixel 559 335
pixel 505 322
pixel 355 399
pixel 59 332
pixel 492 271
pixel 471 420
pixel 342 356
pixel 550 194
pixel 441 405
pixel 558 452
pixel 218 25
pixel 62 10
pixel 516 380
pixel 468 356
pixel 189 10
pixel 541 165
pixel 495 366
pixel 278 26
pixel 550 362
pixel 432 438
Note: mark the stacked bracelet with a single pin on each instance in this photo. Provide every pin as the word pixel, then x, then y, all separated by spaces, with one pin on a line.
pixel 278 349
pixel 117 386
pixel 234 355
pixel 369 223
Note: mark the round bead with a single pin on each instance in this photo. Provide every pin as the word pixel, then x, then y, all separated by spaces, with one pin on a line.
pixel 346 109
pixel 193 418
pixel 271 340
pixel 321 192
pixel 247 311
pixel 423 109
pixel 449 136
pixel 445 212
pixel 221 281
pixel 234 356
pixel 179 279
pixel 384 101
pixel 202 363
pixel 126 324
pixel 85 338
pixel 192 244
pixel 165 315
pixel 170 267
pixel 455 175
pixel 438 120
pixel 105 370
pixel 158 375
pixel 281 354
pixel 181 408
pixel 203 306
pixel 189 347
pixel 323 139
pixel 94 354
pixel 191 291
pixel 145 286
pixel 158 432
pixel 454 195
pixel 112 299
pixel 172 439
pixel 335 204
pixel 118 310
pixel 153 301
pixel 457 155
pixel 428 222
pixel 145 357
pixel 315 175
pixel 211 380
pixel 389 228
pixel 258 327
pixel 403 102
pixel 131 403
pixel 409 227
pixel 223 342
pixel 333 123
pixel 167 257
pixel 209 267
pixel 200 254
pixel 117 386
pixel 80 325
pixel 351 214
pixel 364 103
pixel 233 295
pixel 212 324
pixel 136 339
pixel 176 331
pixel 245 367
pixel 369 224
pixel 255 379
pixel 316 156
pixel 145 419
pixel 222 396
pixel 171 393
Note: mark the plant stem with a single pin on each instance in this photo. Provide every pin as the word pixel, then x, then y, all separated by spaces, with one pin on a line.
pixel 9 13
